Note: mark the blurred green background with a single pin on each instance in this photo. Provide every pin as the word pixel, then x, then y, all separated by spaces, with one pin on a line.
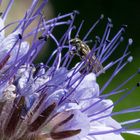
pixel 121 12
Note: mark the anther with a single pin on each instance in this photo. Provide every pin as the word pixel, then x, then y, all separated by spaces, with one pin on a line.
pixel 68 22
pixel 40 37
pixel 130 59
pixel 43 37
pixel 138 84
pixel 121 39
pixel 110 25
pixel 20 36
pixel 109 20
pixel 76 12
pixel 130 41
pixel 89 41
pixel 124 27
pixel 102 16
pixel 98 39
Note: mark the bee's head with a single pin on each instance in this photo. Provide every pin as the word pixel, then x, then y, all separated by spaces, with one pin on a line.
pixel 75 41
pixel 75 45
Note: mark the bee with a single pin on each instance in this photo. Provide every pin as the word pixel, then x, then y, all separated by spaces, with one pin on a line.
pixel 82 50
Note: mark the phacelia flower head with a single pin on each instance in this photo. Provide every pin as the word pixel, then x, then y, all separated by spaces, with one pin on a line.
pixel 55 100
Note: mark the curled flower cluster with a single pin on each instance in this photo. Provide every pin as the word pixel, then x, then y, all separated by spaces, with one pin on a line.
pixel 53 100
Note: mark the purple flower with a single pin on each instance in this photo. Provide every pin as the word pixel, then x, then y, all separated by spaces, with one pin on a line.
pixel 55 100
